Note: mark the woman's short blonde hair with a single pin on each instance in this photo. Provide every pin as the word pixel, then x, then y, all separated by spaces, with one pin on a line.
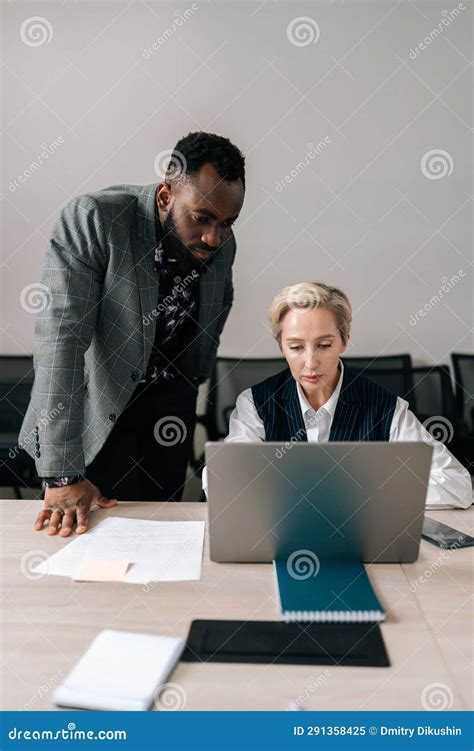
pixel 308 295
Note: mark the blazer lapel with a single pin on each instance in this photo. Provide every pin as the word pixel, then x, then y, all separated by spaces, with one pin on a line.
pixel 148 231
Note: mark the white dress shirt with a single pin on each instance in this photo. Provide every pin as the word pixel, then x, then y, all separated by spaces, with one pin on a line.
pixel 449 484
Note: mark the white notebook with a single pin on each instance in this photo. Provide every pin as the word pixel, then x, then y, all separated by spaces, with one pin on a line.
pixel 120 670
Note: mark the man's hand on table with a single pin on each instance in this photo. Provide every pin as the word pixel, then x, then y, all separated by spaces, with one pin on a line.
pixel 74 502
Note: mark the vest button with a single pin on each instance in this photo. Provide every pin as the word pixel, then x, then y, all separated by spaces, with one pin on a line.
pixel 135 375
pixel 37 453
pixel 112 417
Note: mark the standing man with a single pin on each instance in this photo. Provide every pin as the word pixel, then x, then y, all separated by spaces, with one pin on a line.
pixel 139 283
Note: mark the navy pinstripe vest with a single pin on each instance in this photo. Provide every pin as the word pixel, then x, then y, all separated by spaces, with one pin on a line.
pixel 364 409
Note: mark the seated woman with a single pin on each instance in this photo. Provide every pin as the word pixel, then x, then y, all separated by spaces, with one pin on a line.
pixel 319 399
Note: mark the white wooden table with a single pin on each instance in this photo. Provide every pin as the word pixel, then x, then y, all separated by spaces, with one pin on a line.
pixel 47 623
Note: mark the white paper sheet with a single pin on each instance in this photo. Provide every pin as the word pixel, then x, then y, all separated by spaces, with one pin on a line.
pixel 158 551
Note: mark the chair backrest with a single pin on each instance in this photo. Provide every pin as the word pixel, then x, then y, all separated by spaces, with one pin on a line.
pixel 16 381
pixel 230 377
pixel 392 371
pixel 434 393
pixel 463 365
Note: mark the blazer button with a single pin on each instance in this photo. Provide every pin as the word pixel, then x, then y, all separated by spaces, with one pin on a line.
pixel 135 375
pixel 112 417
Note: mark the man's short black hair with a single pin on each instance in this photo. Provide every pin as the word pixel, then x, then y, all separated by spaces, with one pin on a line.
pixel 196 149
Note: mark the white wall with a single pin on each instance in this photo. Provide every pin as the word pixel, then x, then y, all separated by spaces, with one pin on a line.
pixel 361 214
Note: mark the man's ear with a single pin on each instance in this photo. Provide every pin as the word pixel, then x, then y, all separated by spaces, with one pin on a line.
pixel 164 196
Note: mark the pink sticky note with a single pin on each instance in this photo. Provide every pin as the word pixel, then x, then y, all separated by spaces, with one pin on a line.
pixel 103 571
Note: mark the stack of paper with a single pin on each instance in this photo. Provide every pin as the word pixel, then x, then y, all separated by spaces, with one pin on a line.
pixel 145 551
pixel 123 670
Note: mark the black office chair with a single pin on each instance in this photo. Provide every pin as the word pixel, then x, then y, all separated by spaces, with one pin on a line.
pixel 230 376
pixel 463 365
pixel 434 395
pixel 392 371
pixel 17 468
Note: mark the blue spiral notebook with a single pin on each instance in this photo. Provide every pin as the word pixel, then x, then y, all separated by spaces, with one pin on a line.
pixel 332 591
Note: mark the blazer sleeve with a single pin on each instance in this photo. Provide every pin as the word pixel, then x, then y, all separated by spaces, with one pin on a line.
pixel 73 270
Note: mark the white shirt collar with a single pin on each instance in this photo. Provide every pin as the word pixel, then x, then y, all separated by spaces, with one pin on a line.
pixel 329 406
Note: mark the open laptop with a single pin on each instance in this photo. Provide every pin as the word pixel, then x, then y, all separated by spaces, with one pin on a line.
pixel 363 500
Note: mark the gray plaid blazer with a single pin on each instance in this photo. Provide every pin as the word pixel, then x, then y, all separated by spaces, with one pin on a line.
pixel 94 337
